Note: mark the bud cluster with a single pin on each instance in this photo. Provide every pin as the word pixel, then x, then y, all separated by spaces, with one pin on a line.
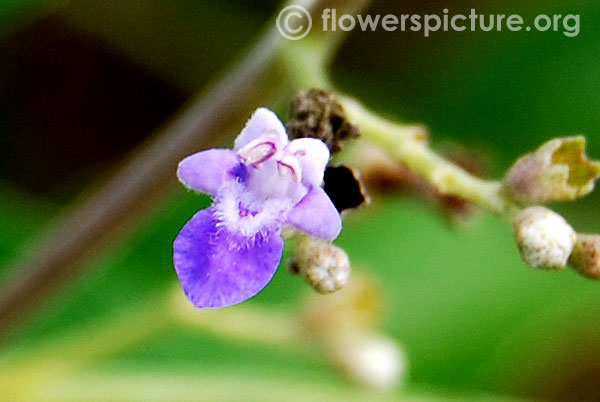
pixel 546 240
pixel 559 170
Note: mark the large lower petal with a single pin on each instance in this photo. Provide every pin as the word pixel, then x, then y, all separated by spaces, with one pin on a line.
pixel 214 270
pixel 316 215
pixel 205 171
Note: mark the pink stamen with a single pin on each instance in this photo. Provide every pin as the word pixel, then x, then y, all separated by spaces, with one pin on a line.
pixel 255 154
pixel 288 165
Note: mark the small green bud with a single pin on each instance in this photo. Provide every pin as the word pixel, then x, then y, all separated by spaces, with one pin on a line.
pixel 544 238
pixel 585 257
pixel 557 171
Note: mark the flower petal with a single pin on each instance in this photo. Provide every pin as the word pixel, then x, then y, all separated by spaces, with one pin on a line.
pixel 262 121
pixel 216 272
pixel 316 215
pixel 205 171
pixel 313 155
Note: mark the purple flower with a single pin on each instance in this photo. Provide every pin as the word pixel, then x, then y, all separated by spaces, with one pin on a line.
pixel 228 252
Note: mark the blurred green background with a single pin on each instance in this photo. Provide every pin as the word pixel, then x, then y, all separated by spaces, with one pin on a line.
pixel 83 82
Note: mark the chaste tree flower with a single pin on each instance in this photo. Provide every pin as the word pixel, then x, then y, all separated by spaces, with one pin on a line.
pixel 228 252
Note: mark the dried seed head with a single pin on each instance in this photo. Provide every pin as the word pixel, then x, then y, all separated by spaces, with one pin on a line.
pixel 557 171
pixel 544 238
pixel 317 114
pixel 585 257
pixel 325 267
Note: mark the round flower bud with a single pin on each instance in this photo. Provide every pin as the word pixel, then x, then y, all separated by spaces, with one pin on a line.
pixel 544 238
pixel 585 257
pixel 556 171
pixel 370 359
pixel 325 267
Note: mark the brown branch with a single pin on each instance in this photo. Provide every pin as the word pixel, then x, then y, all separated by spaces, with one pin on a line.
pixel 129 194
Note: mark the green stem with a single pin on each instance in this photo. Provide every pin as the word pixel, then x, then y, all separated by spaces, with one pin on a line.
pixel 304 60
pixel 57 358
pixel 235 386
pixel 24 374
pixel 408 145
pixel 241 322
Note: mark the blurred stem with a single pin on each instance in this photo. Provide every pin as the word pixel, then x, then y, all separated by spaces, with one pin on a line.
pixel 240 322
pixel 56 358
pixel 231 386
pixel 22 375
pixel 112 209
pixel 305 61
pixel 198 386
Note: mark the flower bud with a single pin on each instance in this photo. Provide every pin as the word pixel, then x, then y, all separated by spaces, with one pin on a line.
pixel 370 359
pixel 345 324
pixel 544 238
pixel 325 267
pixel 556 171
pixel 585 257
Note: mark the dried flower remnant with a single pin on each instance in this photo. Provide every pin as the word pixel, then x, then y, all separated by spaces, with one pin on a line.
pixel 317 114
pixel 557 171
pixel 544 238
pixel 228 252
pixel 585 257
